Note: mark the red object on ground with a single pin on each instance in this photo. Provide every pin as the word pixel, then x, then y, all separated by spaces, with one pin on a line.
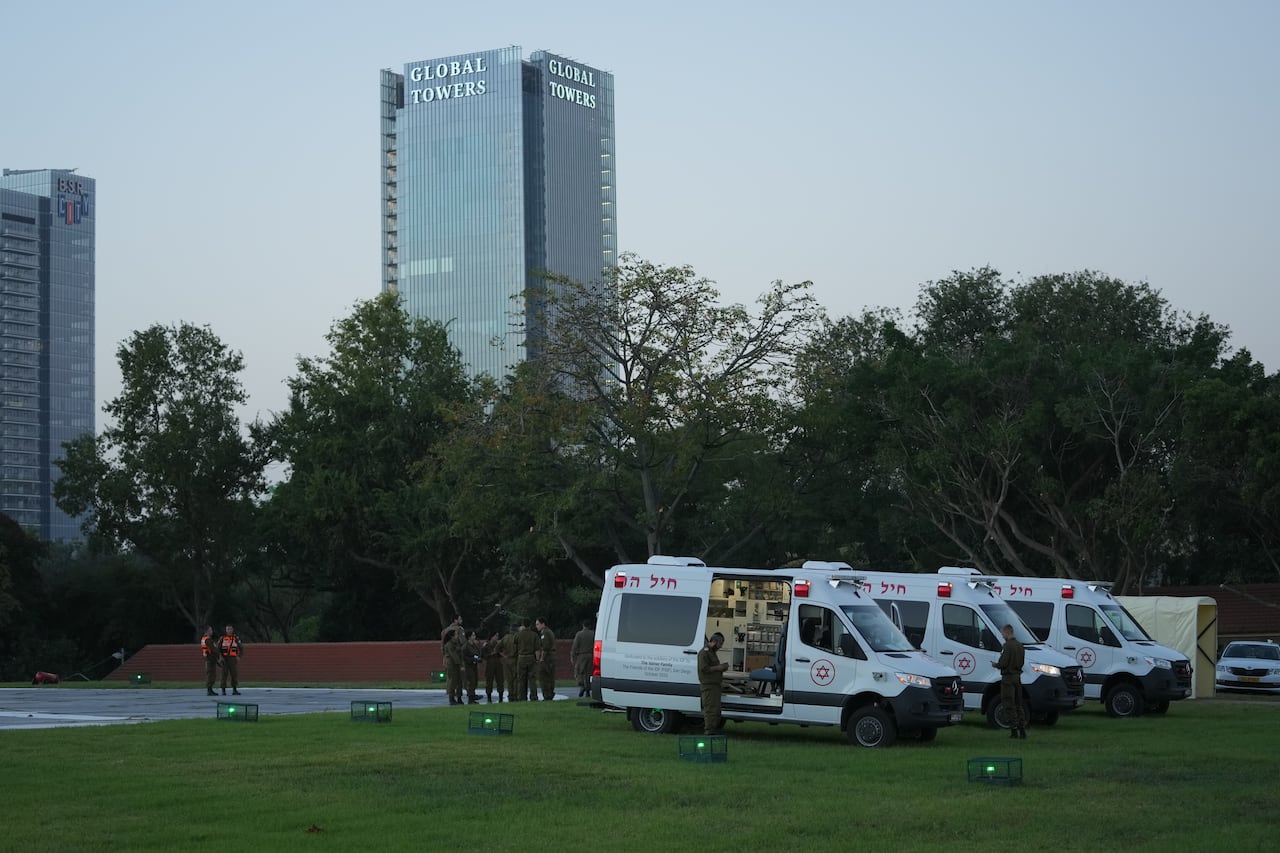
pixel 43 677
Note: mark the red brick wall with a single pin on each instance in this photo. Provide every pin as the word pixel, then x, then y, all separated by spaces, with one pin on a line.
pixel 309 663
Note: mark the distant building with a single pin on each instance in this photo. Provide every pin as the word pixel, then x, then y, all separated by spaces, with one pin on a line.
pixel 494 168
pixel 46 337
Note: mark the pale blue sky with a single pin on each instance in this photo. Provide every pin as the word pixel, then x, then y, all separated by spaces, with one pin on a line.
pixel 866 146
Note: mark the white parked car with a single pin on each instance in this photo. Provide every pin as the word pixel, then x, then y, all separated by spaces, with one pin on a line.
pixel 1249 665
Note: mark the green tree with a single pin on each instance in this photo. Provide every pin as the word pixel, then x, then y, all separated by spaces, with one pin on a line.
pixel 174 478
pixel 364 513
pixel 23 605
pixel 1226 482
pixel 652 400
pixel 1033 426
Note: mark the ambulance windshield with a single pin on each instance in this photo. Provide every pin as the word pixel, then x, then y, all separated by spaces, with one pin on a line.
pixel 1124 622
pixel 1002 614
pixel 876 628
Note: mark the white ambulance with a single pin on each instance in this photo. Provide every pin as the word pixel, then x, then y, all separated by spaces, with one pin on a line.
pixel 958 620
pixel 1123 666
pixel 804 646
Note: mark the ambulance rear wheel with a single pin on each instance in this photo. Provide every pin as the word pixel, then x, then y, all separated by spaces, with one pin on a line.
pixel 656 721
pixel 1123 700
pixel 871 727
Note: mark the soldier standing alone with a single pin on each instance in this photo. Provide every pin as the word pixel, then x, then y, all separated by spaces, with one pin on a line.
pixel 711 680
pixel 1012 657
pixel 580 654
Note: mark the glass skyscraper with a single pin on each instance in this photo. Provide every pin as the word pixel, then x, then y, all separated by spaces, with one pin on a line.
pixel 495 168
pixel 46 338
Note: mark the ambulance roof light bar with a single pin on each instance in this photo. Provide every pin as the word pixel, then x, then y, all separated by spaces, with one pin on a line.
pixel 665 560
pixel 823 564
pixel 857 581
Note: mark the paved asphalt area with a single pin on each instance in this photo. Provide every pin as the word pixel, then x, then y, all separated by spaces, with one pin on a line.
pixel 50 707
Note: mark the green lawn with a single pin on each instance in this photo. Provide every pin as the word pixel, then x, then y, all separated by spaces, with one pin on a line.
pixel 1201 777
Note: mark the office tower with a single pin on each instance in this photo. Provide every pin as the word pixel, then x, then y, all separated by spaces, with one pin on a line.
pixel 494 169
pixel 46 337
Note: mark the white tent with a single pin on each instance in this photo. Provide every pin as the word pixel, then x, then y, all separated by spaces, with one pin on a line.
pixel 1186 623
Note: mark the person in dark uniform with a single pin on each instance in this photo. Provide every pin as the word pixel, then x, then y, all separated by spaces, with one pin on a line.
pixel 1012 657
pixel 580 655
pixel 711 681
pixel 452 640
pixel 231 650
pixel 209 648
pixel 546 661
pixel 491 655
pixel 526 660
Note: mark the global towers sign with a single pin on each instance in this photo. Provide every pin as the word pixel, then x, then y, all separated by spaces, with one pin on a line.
pixel 441 83
pixel 447 71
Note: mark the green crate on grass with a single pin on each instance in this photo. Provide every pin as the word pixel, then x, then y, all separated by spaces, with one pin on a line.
pixel 996 771
pixel 371 712
pixel 238 712
pixel 704 749
pixel 484 723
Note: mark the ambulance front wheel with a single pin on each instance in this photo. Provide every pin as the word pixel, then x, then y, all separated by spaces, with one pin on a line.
pixel 1123 700
pixel 871 727
pixel 655 721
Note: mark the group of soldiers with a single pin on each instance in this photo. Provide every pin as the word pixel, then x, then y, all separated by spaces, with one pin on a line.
pixel 516 664
pixel 221 651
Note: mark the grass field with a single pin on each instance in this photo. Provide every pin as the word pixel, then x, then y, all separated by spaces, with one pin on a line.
pixel 1201 777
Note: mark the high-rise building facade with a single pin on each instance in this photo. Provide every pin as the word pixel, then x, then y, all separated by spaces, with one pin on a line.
pixel 46 338
pixel 495 169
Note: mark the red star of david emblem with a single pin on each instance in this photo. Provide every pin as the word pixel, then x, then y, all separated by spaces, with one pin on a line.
pixel 1086 657
pixel 964 663
pixel 822 672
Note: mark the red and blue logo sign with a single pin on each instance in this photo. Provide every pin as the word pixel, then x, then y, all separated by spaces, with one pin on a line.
pixel 73 203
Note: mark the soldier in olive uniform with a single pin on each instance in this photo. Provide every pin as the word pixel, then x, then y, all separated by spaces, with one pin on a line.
pixel 526 660
pixel 1012 657
pixel 508 647
pixel 580 655
pixel 491 656
pixel 451 641
pixel 546 660
pixel 470 665
pixel 711 680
